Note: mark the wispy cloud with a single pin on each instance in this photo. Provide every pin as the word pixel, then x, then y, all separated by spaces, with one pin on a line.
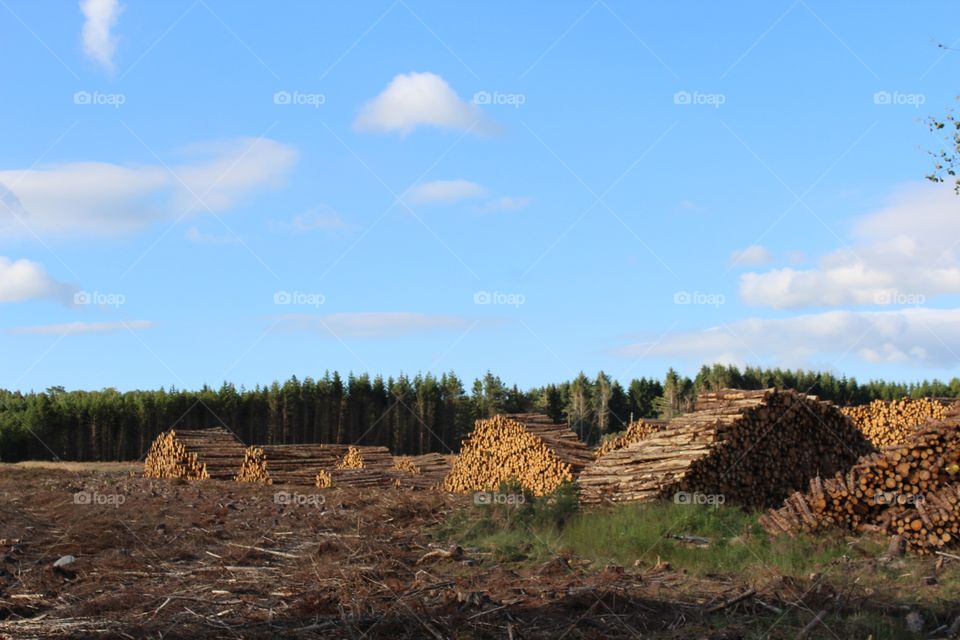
pixel 99 42
pixel 387 324
pixel 506 203
pixel 85 327
pixel 196 236
pixel 753 255
pixel 914 337
pixel 445 192
pixel 97 198
pixel 318 219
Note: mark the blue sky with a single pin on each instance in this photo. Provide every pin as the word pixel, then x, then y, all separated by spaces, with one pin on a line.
pixel 193 192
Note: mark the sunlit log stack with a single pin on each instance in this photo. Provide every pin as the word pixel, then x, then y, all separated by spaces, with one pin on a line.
pixel 194 454
pixel 751 447
pixel 422 472
pixel 527 448
pixel 289 463
pixel 635 432
pixel 902 489
pixel 363 457
pixel 886 423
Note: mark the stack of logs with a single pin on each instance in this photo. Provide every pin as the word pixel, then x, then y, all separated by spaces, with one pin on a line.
pixel 886 423
pixel 360 457
pixel 422 472
pixel 527 448
pixel 360 466
pixel 909 489
pixel 751 447
pixel 194 454
pixel 288 463
pixel 636 431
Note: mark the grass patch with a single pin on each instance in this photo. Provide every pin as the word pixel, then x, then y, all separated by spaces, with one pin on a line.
pixel 535 529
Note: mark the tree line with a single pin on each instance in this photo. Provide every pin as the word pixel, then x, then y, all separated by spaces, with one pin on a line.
pixel 410 415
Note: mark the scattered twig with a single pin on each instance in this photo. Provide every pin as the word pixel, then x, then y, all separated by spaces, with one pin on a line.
pixel 731 601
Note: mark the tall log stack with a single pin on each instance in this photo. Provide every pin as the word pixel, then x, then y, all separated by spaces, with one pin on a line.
pixel 289 463
pixel 908 489
pixel 635 432
pixel 886 423
pixel 194 454
pixel 752 447
pixel 527 448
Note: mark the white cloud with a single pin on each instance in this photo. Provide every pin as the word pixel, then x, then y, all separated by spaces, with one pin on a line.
pixel 85 327
pixel 97 198
pixel 22 280
pixel 917 336
pixel 445 192
pixel 99 42
pixel 906 250
pixel 415 99
pixel 753 255
pixel 374 324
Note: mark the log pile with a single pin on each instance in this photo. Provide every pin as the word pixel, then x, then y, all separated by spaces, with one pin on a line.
pixel 422 472
pixel 362 457
pixel 352 477
pixel 636 431
pixel 932 524
pixel 904 489
pixel 194 454
pixel 752 447
pixel 527 448
pixel 886 423
pixel 288 463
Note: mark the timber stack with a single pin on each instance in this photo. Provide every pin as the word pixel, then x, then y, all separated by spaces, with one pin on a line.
pixel 422 472
pixel 886 423
pixel 909 489
pixel 527 448
pixel 288 463
pixel 364 457
pixel 352 477
pixel 635 432
pixel 752 447
pixel 194 454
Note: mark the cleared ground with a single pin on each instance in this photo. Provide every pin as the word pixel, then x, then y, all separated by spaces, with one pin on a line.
pixel 157 559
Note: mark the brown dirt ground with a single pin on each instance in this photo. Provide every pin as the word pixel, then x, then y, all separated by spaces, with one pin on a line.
pixel 222 560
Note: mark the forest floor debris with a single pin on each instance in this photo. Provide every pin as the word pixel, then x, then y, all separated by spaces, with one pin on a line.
pixel 218 559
